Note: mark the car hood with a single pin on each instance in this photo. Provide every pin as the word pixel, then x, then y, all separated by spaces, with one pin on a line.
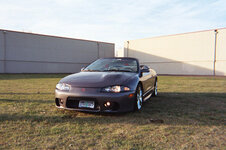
pixel 97 79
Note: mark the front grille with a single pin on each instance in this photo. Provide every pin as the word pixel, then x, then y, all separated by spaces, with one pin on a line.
pixel 73 102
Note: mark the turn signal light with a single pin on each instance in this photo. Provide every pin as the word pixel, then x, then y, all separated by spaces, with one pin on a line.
pixel 61 101
pixel 131 95
pixel 126 88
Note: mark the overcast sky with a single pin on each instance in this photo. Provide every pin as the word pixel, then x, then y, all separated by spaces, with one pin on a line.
pixel 112 20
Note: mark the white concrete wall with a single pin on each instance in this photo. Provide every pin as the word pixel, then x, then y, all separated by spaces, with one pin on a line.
pixel 119 52
pixel 221 53
pixel 181 54
pixel 34 53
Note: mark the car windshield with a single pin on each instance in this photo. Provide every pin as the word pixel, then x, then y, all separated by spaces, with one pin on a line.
pixel 113 64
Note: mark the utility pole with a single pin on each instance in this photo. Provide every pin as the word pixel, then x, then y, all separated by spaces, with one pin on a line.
pixel 215 53
pixel 127 50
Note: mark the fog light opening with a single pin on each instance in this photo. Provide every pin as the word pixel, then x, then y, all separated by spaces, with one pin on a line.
pixel 57 102
pixel 107 104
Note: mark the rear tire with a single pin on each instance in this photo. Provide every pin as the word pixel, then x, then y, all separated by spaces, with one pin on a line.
pixel 138 99
pixel 155 92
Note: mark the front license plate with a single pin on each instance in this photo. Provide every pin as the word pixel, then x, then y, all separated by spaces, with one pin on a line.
pixel 86 104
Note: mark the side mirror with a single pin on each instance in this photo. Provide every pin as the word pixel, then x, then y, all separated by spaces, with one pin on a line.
pixel 144 68
pixel 82 68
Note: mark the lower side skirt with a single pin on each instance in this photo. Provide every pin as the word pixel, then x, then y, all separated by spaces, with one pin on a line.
pixel 148 94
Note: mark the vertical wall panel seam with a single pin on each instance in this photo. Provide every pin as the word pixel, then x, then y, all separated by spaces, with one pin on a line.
pixel 127 49
pixel 4 51
pixel 98 50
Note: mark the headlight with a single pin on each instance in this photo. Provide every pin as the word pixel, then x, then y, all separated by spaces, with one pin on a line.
pixel 116 89
pixel 63 87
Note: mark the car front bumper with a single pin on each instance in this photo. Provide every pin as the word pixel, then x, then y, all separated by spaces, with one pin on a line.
pixel 120 102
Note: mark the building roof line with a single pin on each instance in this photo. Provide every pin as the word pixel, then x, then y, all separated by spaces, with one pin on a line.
pixel 54 36
pixel 179 34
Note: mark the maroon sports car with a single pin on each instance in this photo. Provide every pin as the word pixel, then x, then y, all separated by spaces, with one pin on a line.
pixel 107 85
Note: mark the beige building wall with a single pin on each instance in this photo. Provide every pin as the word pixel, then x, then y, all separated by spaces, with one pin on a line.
pixel 34 53
pixel 119 52
pixel 181 54
pixel 221 52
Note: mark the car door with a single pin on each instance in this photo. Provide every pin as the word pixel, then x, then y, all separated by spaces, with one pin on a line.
pixel 146 79
pixel 153 76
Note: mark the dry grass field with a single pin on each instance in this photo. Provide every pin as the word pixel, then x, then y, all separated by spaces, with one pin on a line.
pixel 190 114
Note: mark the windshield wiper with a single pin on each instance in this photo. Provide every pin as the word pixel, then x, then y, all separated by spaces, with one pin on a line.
pixel 126 71
pixel 89 70
pixel 118 70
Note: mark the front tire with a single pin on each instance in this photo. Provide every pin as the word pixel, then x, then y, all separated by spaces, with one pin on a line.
pixel 139 98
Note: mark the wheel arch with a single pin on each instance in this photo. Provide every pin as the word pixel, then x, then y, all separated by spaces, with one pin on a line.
pixel 141 84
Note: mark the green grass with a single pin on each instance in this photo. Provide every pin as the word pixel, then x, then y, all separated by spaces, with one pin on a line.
pixel 193 110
